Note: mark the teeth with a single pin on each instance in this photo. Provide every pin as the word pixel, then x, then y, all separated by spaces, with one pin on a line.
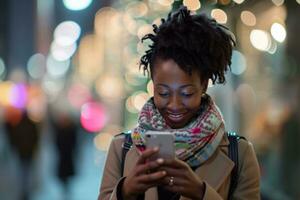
pixel 176 116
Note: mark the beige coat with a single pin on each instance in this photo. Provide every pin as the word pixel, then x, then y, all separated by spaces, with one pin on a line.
pixel 215 172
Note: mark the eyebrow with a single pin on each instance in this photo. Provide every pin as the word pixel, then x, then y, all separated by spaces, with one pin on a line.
pixel 183 86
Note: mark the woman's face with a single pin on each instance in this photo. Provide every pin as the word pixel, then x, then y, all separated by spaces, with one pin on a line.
pixel 177 95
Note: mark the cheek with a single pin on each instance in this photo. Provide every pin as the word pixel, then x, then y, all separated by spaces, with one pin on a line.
pixel 159 102
pixel 193 103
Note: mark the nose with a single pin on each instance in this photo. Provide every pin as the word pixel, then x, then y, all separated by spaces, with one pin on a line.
pixel 174 103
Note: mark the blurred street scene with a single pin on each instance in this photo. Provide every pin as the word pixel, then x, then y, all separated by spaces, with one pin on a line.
pixel 70 81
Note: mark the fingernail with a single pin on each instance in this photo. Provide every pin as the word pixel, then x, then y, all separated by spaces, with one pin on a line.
pixel 155 148
pixel 160 160
pixel 164 172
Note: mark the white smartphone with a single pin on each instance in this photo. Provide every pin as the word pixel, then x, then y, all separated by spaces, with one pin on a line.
pixel 163 140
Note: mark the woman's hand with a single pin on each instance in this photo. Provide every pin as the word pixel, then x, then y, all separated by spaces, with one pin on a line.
pixel 144 175
pixel 182 179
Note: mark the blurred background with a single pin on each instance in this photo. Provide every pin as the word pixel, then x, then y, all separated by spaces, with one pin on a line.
pixel 69 82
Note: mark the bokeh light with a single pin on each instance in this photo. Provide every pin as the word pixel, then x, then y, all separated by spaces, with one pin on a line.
pixel 93 116
pixel 102 141
pixel 52 87
pixel 273 47
pixel 238 63
pixel 238 1
pixel 57 69
pixel 109 86
pixel 18 95
pixel 62 53
pixel 166 2
pixel 192 5
pixel 2 67
pixel 67 33
pixel 248 18
pixel 137 9
pixel 90 58
pixel 143 30
pixel 219 15
pixel 36 104
pixel 278 2
pixel 139 99
pixel 129 23
pixel 78 95
pixel 278 32
pixel 36 66
pixel 77 4
pixel 260 39
pixel 130 105
pixel 5 88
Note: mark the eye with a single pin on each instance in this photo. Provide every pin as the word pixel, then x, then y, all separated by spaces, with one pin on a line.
pixel 187 94
pixel 163 94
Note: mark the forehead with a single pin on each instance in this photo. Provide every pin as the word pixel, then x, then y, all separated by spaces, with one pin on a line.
pixel 169 71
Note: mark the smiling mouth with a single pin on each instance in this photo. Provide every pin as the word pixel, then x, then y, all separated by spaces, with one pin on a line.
pixel 175 117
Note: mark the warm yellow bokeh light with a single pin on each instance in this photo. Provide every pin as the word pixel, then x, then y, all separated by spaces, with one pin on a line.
pixel 143 30
pixel 129 105
pixel 103 18
pixel 109 86
pixel 129 23
pixel 102 141
pixel 140 99
pixel 219 15
pixel 192 5
pixel 137 9
pixel 248 18
pixel 5 88
pixel 166 2
pixel 90 58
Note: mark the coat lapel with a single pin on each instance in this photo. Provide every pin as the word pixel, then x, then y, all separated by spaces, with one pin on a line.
pixel 215 170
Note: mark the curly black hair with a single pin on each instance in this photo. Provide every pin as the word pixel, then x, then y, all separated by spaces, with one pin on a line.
pixel 194 42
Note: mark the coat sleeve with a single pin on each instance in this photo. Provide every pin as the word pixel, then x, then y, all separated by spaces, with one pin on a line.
pixel 112 179
pixel 249 175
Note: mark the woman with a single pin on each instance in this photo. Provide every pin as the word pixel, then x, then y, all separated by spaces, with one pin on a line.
pixel 186 52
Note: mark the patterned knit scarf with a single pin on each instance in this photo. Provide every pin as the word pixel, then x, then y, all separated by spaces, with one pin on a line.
pixel 194 143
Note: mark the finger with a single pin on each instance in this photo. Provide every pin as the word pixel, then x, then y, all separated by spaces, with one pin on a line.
pixel 175 188
pixel 150 166
pixel 146 154
pixel 178 181
pixel 152 177
pixel 172 171
pixel 175 163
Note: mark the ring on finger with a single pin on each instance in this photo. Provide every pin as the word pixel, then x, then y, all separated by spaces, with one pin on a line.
pixel 171 181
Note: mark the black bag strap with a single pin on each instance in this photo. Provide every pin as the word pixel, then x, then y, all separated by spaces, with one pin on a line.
pixel 125 148
pixel 233 153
